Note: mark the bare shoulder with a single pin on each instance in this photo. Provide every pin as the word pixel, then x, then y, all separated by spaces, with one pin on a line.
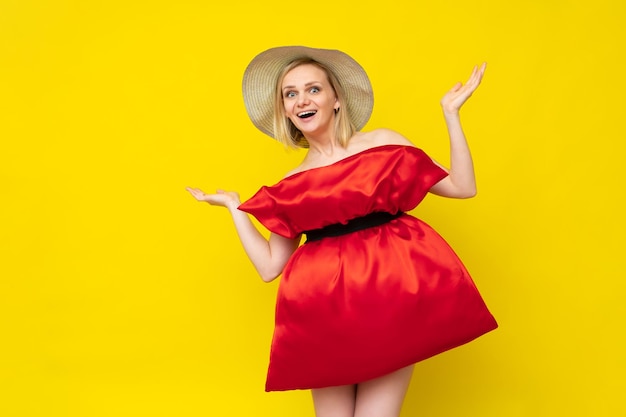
pixel 361 141
pixel 384 136
pixel 303 166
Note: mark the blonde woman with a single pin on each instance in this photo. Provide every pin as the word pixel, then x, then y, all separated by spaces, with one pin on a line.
pixel 372 290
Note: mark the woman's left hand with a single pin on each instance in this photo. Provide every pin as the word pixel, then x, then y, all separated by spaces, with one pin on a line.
pixel 458 95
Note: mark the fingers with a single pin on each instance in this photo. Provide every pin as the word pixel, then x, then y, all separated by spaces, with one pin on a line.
pixel 474 71
pixel 476 77
pixel 197 193
pixel 460 93
pixel 473 81
pixel 479 72
pixel 456 87
pixel 219 198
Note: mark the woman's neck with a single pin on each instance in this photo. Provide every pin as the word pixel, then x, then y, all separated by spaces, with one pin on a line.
pixel 323 149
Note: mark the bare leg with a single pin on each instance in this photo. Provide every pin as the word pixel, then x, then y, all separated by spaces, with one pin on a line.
pixel 383 396
pixel 334 401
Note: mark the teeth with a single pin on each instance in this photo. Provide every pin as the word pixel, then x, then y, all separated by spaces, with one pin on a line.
pixel 305 114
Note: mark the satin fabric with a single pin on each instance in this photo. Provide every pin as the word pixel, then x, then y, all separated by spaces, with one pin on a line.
pixel 358 306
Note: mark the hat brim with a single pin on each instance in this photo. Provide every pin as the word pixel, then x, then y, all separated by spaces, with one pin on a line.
pixel 261 76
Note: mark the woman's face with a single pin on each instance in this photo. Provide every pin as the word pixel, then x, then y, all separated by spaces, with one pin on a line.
pixel 309 99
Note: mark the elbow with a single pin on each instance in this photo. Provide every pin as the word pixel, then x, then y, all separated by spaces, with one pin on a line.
pixel 471 194
pixel 269 276
pixel 468 193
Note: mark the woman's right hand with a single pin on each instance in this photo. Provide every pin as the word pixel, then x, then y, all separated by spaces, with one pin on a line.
pixel 228 199
pixel 269 256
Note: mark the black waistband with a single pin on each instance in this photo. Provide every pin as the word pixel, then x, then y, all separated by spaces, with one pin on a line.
pixel 360 223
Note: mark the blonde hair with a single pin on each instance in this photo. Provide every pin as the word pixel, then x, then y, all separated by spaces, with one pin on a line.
pixel 285 131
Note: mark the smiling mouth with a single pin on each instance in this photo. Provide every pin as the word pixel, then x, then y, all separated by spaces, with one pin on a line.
pixel 306 114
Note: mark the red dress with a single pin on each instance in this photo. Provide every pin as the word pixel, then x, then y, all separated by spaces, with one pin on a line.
pixel 358 306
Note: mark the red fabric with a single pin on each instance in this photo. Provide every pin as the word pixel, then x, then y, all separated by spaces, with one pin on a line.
pixel 358 306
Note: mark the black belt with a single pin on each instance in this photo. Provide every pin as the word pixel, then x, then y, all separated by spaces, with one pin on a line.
pixel 370 220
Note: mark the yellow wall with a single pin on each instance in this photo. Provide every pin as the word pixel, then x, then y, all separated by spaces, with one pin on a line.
pixel 121 296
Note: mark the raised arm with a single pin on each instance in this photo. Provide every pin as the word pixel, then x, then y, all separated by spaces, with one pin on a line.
pixel 269 257
pixel 461 183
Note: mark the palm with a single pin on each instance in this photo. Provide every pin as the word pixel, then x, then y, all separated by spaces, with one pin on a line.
pixel 454 99
pixel 220 198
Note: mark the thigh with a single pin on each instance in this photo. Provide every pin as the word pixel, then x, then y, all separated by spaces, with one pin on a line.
pixel 383 396
pixel 334 401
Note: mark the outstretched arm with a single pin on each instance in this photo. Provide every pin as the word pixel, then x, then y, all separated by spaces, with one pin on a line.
pixel 461 183
pixel 269 257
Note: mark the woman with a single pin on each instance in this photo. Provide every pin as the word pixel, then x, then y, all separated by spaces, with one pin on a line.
pixel 372 290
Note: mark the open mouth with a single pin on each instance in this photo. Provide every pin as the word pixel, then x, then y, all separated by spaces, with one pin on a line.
pixel 306 114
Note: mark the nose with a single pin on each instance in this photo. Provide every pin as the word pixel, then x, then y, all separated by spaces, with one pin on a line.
pixel 303 99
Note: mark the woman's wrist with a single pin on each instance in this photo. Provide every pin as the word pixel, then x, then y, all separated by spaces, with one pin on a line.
pixel 233 207
pixel 450 113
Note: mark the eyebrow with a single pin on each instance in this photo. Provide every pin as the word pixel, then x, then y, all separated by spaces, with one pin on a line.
pixel 306 85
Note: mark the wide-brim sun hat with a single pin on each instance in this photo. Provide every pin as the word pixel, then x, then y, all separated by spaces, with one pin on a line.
pixel 261 76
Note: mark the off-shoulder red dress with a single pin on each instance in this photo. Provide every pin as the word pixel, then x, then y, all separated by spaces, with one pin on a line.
pixel 362 304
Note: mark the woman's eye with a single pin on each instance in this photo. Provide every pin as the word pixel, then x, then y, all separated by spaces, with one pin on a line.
pixel 290 94
pixel 315 90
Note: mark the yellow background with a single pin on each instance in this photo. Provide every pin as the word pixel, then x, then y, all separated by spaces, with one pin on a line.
pixel 122 296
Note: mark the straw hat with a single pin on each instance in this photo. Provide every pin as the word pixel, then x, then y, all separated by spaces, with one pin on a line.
pixel 261 75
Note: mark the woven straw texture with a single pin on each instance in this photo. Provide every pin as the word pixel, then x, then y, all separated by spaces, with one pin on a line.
pixel 260 77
